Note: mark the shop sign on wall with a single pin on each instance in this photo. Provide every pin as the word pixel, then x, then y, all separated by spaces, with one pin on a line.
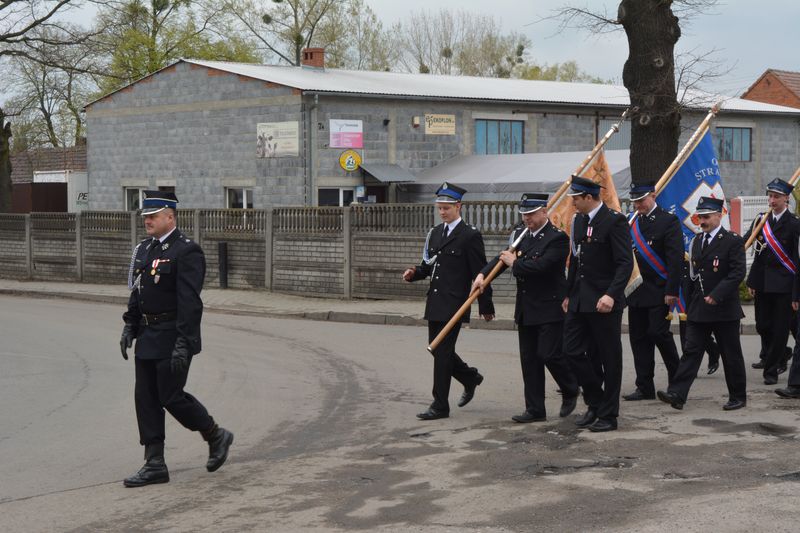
pixel 277 139
pixel 440 124
pixel 346 133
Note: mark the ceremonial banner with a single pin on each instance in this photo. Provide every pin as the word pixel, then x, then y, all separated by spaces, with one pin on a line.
pixel 698 176
pixel 598 172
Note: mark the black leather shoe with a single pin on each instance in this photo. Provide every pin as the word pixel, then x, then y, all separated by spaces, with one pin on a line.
pixel 758 364
pixel 219 441
pixel 601 425
pixel 586 419
pixel 712 367
pixel 789 392
pixel 527 417
pixel 567 406
pixel 770 380
pixel 732 405
pixel 671 398
pixel 469 392
pixel 638 395
pixel 154 470
pixel 433 414
pixel 782 368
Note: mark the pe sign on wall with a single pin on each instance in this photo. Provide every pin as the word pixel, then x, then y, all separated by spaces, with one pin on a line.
pixel 278 139
pixel 346 134
pixel 440 124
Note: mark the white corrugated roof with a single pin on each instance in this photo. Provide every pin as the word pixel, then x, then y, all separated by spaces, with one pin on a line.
pixel 465 87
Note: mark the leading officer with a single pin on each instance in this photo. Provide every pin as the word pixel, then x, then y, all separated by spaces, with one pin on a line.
pixel 164 312
pixel 538 266
pixel 771 277
pixel 600 266
pixel 453 256
pixel 717 264
pixel 658 245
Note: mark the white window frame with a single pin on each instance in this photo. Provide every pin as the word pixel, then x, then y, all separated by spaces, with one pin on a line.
pixel 125 191
pixel 247 197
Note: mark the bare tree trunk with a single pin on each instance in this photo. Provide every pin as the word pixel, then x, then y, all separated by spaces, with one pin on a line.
pixel 649 76
pixel 5 164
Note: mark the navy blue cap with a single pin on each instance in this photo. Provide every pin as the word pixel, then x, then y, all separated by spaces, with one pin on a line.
pixel 707 205
pixel 779 186
pixel 532 201
pixel 155 201
pixel 449 193
pixel 640 190
pixel 580 185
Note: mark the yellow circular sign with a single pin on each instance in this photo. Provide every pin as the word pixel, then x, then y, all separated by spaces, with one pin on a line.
pixel 350 160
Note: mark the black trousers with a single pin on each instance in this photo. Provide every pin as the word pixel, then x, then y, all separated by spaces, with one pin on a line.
pixel 593 346
pixel 540 346
pixel 774 316
pixel 711 347
pixel 697 335
pixel 648 328
pixel 447 364
pixel 158 389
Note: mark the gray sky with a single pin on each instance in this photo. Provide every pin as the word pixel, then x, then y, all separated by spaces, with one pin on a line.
pixel 750 36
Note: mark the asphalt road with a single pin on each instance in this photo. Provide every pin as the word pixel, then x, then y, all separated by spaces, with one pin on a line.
pixel 326 438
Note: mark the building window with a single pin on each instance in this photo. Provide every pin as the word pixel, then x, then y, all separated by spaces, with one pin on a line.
pixel 335 197
pixel 239 198
pixel 133 198
pixel 498 136
pixel 733 144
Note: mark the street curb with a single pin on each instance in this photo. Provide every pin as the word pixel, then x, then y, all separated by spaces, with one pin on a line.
pixel 386 319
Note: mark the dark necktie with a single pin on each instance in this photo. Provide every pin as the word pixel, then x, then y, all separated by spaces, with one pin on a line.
pixel 446 231
pixel 706 240
pixel 774 220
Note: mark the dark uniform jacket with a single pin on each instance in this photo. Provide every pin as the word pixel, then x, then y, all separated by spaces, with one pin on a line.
pixel 601 263
pixel 767 274
pixel 459 259
pixel 540 274
pixel 170 277
pixel 719 269
pixel 662 232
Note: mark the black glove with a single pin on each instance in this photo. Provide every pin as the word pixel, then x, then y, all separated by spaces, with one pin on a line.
pixel 180 357
pixel 126 341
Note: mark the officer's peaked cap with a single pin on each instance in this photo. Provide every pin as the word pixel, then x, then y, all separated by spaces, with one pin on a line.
pixel 580 185
pixel 640 190
pixel 532 201
pixel 449 193
pixel 155 201
pixel 707 205
pixel 779 186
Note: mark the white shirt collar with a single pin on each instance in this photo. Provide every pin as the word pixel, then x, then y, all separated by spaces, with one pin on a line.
pixel 713 233
pixel 594 211
pixel 164 237
pixel 535 233
pixel 651 211
pixel 451 226
pixel 779 215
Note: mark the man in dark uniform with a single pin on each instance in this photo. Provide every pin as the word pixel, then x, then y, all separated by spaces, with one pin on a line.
pixel 453 256
pixel 600 266
pixel 717 265
pixel 658 245
pixel 164 312
pixel 772 276
pixel 538 266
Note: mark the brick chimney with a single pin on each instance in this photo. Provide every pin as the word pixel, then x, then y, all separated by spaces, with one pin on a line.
pixel 313 57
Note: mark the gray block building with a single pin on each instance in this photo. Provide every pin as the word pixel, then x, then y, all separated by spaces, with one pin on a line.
pixel 240 135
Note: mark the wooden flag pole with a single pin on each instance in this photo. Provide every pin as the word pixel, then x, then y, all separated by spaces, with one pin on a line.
pixel 559 194
pixel 694 140
pixel 472 297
